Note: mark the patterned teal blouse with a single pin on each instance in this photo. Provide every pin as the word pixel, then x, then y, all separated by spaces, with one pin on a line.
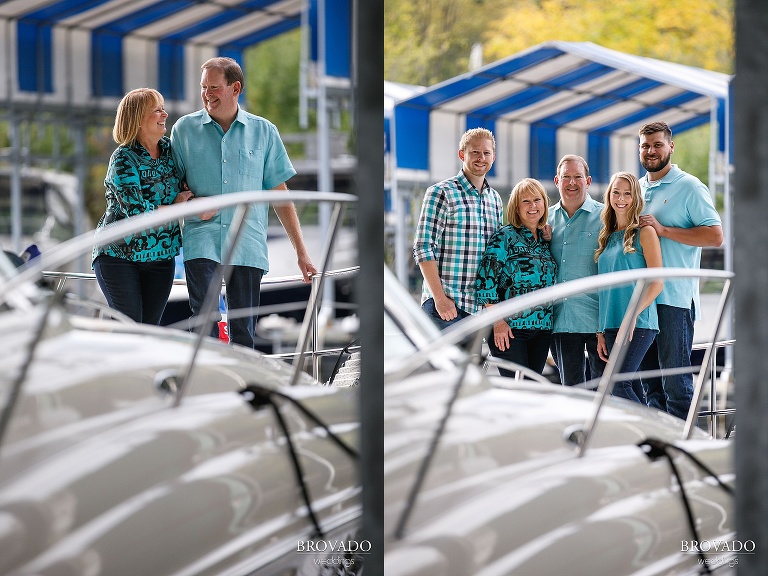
pixel 137 183
pixel 515 263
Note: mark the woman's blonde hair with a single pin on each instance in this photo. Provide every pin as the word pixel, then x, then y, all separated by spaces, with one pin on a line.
pixel 608 215
pixel 526 187
pixel 130 113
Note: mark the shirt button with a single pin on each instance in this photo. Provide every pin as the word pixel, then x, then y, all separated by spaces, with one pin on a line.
pixel 225 160
pixel 225 181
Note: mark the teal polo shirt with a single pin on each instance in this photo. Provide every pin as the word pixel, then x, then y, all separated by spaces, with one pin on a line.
pixel 573 245
pixel 682 201
pixel 250 156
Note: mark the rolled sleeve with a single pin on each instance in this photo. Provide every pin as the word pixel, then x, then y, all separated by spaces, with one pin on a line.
pixel 430 227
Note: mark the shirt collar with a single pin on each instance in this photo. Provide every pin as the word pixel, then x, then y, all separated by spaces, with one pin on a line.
pixel 164 144
pixel 674 173
pixel 467 185
pixel 206 118
pixel 589 205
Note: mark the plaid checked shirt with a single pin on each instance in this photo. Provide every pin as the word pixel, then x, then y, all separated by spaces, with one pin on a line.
pixel 454 227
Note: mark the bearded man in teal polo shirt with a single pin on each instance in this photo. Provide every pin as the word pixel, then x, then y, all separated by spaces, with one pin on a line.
pixel 679 206
pixel 222 149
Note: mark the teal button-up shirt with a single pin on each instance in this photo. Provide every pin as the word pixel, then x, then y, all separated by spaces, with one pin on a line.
pixel 249 157
pixel 573 245
pixel 679 200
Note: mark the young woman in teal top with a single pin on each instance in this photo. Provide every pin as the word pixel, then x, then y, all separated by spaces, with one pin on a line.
pixel 624 245
pixel 516 261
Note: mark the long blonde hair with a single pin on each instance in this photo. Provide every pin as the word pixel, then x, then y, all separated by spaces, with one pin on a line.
pixel 608 215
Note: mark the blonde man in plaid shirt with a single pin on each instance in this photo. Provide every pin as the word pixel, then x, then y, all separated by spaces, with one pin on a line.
pixel 458 217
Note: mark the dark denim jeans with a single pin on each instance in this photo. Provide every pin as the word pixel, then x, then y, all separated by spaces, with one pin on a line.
pixel 672 349
pixel 568 352
pixel 429 307
pixel 642 338
pixel 243 291
pixel 139 290
pixel 528 348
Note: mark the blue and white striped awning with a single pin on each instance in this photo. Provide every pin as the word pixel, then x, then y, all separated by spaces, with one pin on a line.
pixel 90 52
pixel 553 99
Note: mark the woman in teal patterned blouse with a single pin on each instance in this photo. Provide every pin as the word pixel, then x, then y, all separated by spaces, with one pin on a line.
pixel 624 245
pixel 516 261
pixel 136 273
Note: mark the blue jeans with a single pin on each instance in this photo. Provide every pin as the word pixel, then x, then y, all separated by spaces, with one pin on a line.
pixel 528 348
pixel 139 290
pixel 429 307
pixel 642 338
pixel 243 291
pixel 568 352
pixel 672 349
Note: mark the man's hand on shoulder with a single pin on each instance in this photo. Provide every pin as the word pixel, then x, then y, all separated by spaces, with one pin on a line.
pixel 650 220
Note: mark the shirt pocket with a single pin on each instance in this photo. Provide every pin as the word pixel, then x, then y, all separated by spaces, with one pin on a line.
pixel 252 167
pixel 587 243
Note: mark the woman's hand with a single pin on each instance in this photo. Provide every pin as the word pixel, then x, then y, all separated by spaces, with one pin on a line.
pixel 602 347
pixel 183 196
pixel 502 334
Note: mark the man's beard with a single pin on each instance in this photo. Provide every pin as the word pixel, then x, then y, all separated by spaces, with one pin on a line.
pixel 662 163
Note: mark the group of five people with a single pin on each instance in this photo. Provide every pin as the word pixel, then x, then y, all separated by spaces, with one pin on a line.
pixel 470 261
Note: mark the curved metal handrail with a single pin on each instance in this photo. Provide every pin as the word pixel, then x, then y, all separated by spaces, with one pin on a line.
pixel 469 326
pixel 72 249
pixel 479 323
pixel 314 353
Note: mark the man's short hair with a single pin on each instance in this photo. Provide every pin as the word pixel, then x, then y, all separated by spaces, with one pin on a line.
pixel 653 127
pixel 573 158
pixel 230 68
pixel 474 134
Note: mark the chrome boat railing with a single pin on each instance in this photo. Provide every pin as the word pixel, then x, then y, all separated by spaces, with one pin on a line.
pixel 17 290
pixel 316 354
pixel 476 327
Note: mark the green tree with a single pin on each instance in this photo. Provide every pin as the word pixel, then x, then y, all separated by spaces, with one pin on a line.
pixel 272 80
pixel 430 41
pixel 692 32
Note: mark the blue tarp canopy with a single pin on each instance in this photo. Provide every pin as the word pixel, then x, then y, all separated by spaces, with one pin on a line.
pixel 553 99
pixel 90 52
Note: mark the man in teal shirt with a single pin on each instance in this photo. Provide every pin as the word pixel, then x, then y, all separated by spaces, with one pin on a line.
pixel 222 149
pixel 575 222
pixel 680 208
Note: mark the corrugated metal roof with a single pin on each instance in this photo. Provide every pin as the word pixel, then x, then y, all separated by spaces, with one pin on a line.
pixel 552 99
